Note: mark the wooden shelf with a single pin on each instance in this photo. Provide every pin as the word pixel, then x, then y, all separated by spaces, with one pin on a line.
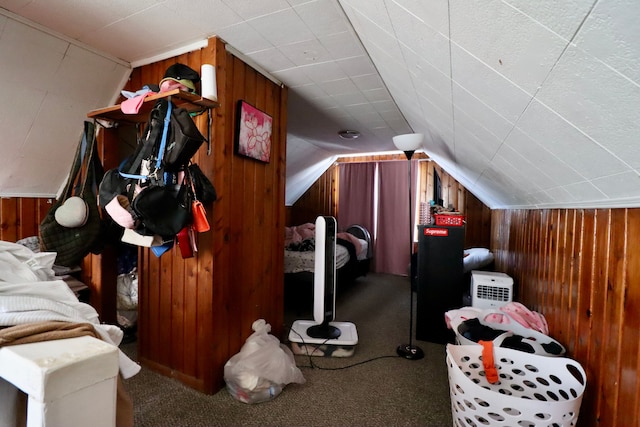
pixel 189 101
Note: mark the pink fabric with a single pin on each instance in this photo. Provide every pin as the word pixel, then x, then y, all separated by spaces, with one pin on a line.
pixel 169 85
pixel 525 317
pixel 454 317
pixel 497 318
pixel 132 105
pixel 299 233
pixel 512 312
pixel 351 238
pixel 119 213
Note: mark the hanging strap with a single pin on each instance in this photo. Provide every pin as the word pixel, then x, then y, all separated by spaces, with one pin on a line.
pixel 75 168
pixel 91 161
pixel 147 148
pixel 487 361
pixel 83 158
pixel 165 131
pixel 189 178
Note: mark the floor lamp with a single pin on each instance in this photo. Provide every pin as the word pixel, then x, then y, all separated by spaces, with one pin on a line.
pixel 409 143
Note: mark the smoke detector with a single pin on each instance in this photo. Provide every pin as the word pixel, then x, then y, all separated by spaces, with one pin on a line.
pixel 348 134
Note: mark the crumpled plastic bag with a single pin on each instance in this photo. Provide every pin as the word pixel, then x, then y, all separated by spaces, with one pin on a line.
pixel 262 368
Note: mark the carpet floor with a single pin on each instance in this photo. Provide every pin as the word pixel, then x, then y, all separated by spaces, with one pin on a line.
pixel 373 387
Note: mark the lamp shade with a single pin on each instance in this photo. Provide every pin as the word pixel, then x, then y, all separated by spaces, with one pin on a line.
pixel 408 141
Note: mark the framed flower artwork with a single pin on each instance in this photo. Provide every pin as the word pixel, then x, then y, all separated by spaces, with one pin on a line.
pixel 253 132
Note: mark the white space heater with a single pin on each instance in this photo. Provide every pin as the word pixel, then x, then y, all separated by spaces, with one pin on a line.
pixel 490 289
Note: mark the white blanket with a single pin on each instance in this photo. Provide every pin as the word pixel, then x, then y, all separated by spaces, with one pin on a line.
pixel 26 298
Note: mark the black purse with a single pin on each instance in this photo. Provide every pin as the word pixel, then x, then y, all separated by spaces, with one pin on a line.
pixel 204 189
pixel 162 209
pixel 183 141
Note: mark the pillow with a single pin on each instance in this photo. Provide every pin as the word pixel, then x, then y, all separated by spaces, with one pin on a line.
pixel 475 258
pixel 477 251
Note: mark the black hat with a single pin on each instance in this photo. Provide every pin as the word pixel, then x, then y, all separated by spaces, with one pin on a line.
pixel 182 74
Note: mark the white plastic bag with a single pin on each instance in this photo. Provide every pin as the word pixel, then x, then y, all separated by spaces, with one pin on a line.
pixel 262 368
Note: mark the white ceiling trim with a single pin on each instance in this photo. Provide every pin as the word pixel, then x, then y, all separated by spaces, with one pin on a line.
pixel 191 47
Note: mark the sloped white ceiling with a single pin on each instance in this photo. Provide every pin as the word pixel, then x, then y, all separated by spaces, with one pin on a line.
pixel 48 85
pixel 527 104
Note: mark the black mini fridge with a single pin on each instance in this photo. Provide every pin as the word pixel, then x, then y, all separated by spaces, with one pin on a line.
pixel 440 280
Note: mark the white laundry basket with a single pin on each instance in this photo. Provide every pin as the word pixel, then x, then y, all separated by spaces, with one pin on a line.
pixel 532 390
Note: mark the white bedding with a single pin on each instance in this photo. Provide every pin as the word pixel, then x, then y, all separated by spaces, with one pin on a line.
pixel 27 296
pixel 298 261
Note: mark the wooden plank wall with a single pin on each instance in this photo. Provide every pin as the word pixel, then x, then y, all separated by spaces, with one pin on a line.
pixel 580 268
pixel 322 198
pixel 477 232
pixel 196 313
pixel 21 217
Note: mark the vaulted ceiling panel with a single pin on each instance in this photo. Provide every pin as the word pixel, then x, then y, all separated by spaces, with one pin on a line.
pixel 421 39
pixel 565 141
pixel 492 89
pixel 506 41
pixel 527 104
pixel 481 112
pixel 553 167
pixel 585 193
pixel 596 99
pixel 621 186
pixel 281 27
pixel 563 18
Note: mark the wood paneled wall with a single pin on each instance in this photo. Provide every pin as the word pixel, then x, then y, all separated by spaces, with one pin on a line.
pixel 453 193
pixel 196 313
pixel 581 269
pixel 477 232
pixel 21 217
pixel 322 198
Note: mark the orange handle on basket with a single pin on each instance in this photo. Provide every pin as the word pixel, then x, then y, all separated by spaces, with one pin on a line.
pixel 487 361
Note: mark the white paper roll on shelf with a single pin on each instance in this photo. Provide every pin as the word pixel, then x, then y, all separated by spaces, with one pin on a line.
pixel 208 79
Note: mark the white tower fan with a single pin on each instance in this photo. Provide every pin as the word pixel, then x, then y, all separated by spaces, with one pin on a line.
pixel 323 329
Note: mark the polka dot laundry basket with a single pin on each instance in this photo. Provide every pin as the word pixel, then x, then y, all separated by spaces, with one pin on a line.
pixel 531 390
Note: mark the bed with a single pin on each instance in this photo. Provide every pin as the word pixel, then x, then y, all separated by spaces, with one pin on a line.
pixel 354 252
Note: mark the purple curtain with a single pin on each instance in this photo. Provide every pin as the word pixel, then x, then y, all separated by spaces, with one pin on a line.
pixel 385 216
pixel 356 195
pixel 392 237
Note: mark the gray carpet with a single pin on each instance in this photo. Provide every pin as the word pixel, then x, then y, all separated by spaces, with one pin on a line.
pixel 387 391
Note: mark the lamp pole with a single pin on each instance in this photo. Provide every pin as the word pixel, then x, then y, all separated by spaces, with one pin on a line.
pixel 409 351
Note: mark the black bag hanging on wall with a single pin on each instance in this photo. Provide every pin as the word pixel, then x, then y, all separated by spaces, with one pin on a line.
pixel 163 209
pixel 204 189
pixel 72 244
pixel 149 178
pixel 184 140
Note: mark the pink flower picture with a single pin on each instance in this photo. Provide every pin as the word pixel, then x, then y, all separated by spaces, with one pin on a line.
pixel 254 132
